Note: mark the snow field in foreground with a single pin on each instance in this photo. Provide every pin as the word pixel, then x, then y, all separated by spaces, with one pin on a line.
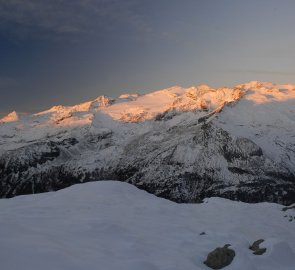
pixel 112 225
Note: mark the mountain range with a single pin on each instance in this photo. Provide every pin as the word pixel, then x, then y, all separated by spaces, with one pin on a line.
pixel 183 144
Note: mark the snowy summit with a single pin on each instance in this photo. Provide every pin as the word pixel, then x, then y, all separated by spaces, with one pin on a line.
pixel 11 117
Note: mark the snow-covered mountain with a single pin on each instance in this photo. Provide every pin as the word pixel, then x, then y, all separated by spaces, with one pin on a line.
pixel 179 143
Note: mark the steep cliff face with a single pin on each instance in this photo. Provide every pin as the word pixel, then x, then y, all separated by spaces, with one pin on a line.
pixel 181 144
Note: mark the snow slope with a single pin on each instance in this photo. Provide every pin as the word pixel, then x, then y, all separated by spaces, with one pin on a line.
pixel 265 115
pixel 112 225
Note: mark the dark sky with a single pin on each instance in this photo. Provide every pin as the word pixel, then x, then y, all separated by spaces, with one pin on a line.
pixel 64 52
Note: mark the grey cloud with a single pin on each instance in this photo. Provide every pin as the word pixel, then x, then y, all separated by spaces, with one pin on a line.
pixel 265 72
pixel 31 18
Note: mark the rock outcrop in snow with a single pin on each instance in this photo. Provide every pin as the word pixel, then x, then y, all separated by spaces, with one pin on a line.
pixel 220 257
pixel 179 143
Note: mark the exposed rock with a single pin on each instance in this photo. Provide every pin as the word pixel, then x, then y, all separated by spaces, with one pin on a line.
pixel 288 207
pixel 190 163
pixel 183 165
pixel 255 247
pixel 220 257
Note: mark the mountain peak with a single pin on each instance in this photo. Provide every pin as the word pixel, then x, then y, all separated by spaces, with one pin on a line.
pixel 203 87
pixel 257 85
pixel 11 117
